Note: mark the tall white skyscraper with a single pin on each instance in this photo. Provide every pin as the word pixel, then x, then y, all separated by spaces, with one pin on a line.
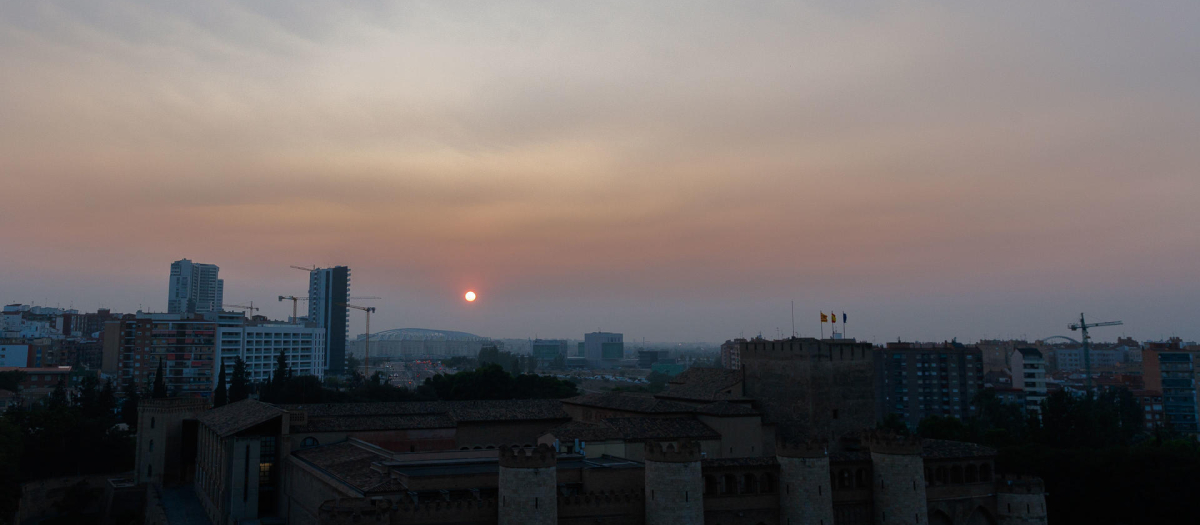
pixel 195 288
pixel 328 292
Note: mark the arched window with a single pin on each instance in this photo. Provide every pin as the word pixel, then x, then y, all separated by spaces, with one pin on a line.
pixel 309 442
pixel 731 485
pixel 845 479
pixel 768 483
pixel 941 475
pixel 956 474
pixel 860 478
pixel 750 484
pixel 151 421
pixel 971 474
pixel 711 486
pixel 985 472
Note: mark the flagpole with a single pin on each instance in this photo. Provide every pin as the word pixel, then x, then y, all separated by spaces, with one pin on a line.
pixel 793 319
pixel 822 328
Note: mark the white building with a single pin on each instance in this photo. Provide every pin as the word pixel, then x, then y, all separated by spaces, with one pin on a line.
pixel 260 345
pixel 603 346
pixel 194 288
pixel 1029 375
pixel 14 355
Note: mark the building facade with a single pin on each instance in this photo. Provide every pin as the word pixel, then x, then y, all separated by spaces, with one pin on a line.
pixel 545 351
pixel 185 345
pixel 603 346
pixel 194 288
pixel 1029 375
pixel 328 294
pixel 916 382
pixel 1168 369
pixel 259 345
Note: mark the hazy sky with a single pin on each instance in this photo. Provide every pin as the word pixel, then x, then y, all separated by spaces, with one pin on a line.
pixel 670 170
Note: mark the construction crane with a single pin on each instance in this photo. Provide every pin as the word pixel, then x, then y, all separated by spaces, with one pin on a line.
pixel 249 309
pixel 1087 359
pixel 367 343
pixel 296 300
pixel 313 269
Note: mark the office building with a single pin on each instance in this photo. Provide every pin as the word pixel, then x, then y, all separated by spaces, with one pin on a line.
pixel 915 381
pixel 1029 375
pixel 545 351
pixel 259 345
pixel 731 355
pixel 604 346
pixel 194 288
pixel 1171 370
pixel 328 293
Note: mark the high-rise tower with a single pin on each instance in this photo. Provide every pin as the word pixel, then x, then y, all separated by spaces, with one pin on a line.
pixel 194 288
pixel 329 291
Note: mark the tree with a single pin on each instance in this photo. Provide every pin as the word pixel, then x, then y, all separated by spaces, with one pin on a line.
pixel 12 379
pixel 352 363
pixel 282 371
pixel 221 394
pixel 559 362
pixel 129 408
pixel 58 397
pixel 530 365
pixel 108 398
pixel 239 385
pixel 160 383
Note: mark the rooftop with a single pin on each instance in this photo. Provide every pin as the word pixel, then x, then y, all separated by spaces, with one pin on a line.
pixel 645 404
pixel 635 429
pixel 705 384
pixel 236 417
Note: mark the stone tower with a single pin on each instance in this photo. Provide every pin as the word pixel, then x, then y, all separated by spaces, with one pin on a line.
pixel 805 496
pixel 159 457
pixel 1020 500
pixel 899 477
pixel 674 484
pixel 528 488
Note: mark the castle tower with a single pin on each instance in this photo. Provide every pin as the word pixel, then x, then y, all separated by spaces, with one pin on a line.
pixel 674 484
pixel 158 458
pixel 899 477
pixel 528 488
pixel 805 496
pixel 1020 500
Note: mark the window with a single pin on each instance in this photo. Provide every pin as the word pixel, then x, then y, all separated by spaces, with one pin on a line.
pixel 151 421
pixel 309 442
pixel 151 445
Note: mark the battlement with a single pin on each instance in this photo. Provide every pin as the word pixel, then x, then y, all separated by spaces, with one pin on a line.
pixel 802 448
pixel 541 457
pixel 807 348
pixel 883 442
pixel 354 510
pixel 1020 484
pixel 686 452
pixel 173 404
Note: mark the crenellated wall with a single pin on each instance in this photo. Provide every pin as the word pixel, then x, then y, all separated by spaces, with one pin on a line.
pixel 805 495
pixel 616 508
pixel 1020 500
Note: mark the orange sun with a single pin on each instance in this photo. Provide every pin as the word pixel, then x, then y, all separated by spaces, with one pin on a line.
pixel 470 296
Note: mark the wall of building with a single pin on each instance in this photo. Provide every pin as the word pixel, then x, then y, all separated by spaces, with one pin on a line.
pixel 899 489
pixel 740 436
pixel 818 384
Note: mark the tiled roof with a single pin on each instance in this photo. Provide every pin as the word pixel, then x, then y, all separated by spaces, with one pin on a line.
pixel 425 414
pixel 635 429
pixel 236 417
pixel 386 422
pixel 705 384
pixel 350 463
pixel 946 449
pixel 725 408
pixel 644 404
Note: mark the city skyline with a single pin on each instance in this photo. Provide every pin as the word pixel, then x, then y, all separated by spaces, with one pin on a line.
pixel 679 172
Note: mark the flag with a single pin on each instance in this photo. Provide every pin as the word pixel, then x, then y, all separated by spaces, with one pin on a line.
pixel 824 318
pixel 832 317
pixel 843 317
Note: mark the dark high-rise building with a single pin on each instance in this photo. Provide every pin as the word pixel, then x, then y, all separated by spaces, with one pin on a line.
pixel 917 381
pixel 328 292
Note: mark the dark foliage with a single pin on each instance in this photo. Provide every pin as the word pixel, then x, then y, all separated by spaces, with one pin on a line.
pixel 160 384
pixel 221 393
pixel 239 385
pixel 11 380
